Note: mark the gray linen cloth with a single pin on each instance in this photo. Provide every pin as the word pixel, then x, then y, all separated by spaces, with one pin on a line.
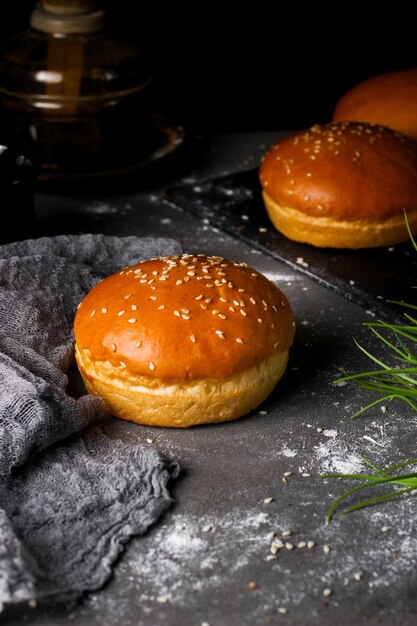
pixel 69 500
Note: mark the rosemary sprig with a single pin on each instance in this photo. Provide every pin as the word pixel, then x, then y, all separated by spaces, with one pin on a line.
pixel 391 382
pixel 382 476
pixel 397 381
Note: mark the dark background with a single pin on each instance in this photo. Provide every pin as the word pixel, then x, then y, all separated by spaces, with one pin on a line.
pixel 220 67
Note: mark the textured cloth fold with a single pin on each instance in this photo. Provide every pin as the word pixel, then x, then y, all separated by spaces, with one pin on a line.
pixel 86 486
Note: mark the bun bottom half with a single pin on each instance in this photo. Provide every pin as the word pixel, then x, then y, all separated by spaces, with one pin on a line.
pixel 153 402
pixel 326 232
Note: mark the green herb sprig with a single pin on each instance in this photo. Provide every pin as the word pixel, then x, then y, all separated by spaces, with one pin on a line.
pixel 391 382
pixel 381 476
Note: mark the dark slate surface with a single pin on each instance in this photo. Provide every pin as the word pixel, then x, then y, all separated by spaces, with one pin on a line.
pixel 195 566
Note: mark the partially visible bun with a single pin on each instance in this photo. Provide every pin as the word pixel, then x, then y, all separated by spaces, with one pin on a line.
pixel 389 99
pixel 184 340
pixel 342 185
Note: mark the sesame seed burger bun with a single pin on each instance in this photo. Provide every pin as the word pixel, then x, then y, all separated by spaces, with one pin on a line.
pixel 389 99
pixel 183 340
pixel 342 185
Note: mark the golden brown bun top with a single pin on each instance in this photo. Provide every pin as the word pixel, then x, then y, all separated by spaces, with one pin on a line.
pixel 388 99
pixel 343 170
pixel 184 317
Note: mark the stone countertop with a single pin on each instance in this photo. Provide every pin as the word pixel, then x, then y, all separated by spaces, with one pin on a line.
pixel 209 560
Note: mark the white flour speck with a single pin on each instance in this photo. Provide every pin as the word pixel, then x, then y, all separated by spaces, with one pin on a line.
pixel 99 208
pixel 288 452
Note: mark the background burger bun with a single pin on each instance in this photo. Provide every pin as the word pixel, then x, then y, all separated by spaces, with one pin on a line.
pixel 184 340
pixel 389 99
pixel 342 185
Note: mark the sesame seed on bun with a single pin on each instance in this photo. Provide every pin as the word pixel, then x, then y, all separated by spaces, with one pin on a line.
pixel 183 340
pixel 342 185
pixel 388 99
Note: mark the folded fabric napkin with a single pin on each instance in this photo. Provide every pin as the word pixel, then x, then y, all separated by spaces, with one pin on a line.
pixel 66 507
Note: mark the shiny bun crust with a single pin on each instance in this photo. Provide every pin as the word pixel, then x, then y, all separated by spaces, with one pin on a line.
pixel 388 99
pixel 184 340
pixel 342 185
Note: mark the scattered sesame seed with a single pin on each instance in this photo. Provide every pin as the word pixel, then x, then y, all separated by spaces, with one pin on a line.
pixel 385 529
pixel 270 557
pixel 177 313
pixel 259 320
pixel 200 297
pixel 207 528
pixel 93 313
pixel 357 576
pixel 287 533
pixel 306 475
pixel 220 334
pixel 104 310
pixel 282 610
pixel 132 320
pixel 289 546
pixel 327 592
pixel 149 440
pixel 223 317
pixel 113 347
pixel 242 312
pixel 139 343
pixel 251 586
pixel 162 599
pixel 326 548
pixel 383 408
pixel 122 312
pixel 310 544
pixel 270 535
pixel 151 366
pixel 223 300
pixel 153 297
pixel 288 473
pixel 301 544
pixel 319 429
pixel 134 307
pixel 263 412
pixel 161 308
pixel 192 338
pixel 268 500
